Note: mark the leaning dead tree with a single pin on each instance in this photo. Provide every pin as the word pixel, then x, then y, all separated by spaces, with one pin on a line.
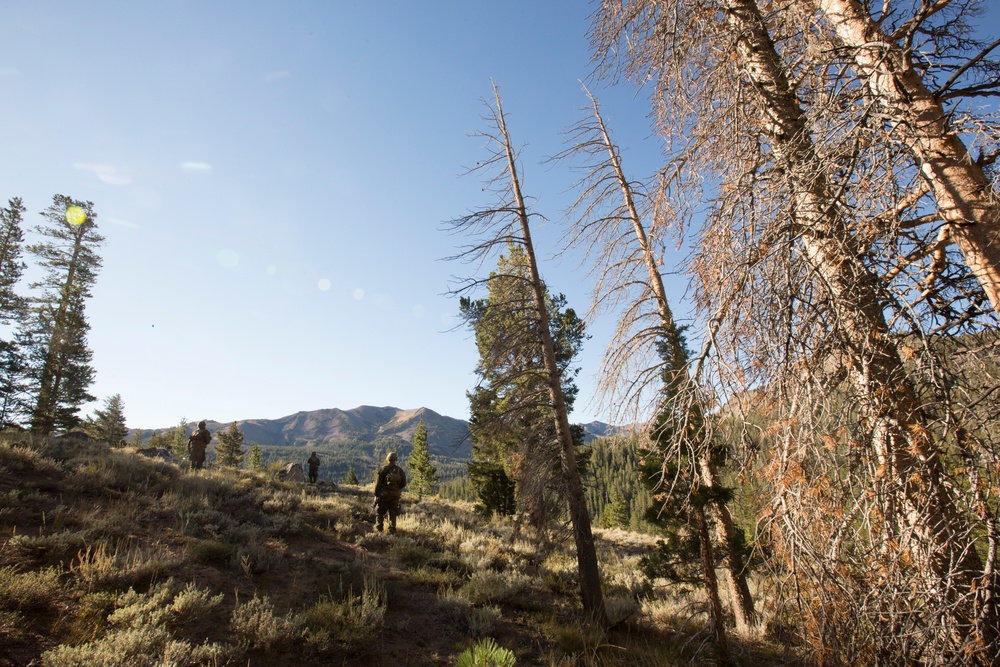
pixel 883 53
pixel 822 310
pixel 610 223
pixel 508 222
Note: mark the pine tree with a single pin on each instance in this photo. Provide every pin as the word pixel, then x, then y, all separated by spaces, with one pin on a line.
pixel 54 335
pixel 12 305
pixel 136 440
pixel 352 477
pixel 516 457
pixel 424 475
pixel 163 441
pixel 506 220
pixel 229 451
pixel 256 459
pixel 108 425
pixel 616 513
pixel 177 438
pixel 13 389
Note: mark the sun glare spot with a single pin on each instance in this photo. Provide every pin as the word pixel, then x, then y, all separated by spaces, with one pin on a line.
pixel 196 166
pixel 271 269
pixel 228 258
pixel 359 294
pixel 76 215
pixel 418 311
pixel 323 284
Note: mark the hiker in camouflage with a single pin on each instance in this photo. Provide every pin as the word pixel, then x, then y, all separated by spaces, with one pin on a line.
pixel 197 444
pixel 388 490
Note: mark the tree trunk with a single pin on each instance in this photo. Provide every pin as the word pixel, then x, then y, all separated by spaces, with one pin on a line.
pixel 735 565
pixel 961 188
pixel 909 462
pixel 715 620
pixel 589 573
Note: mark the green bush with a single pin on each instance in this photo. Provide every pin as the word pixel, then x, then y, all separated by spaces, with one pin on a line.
pixel 140 631
pixel 209 552
pixel 353 621
pixel 255 625
pixel 486 653
pixel 28 591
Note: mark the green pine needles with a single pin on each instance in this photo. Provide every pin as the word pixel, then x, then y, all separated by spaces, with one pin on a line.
pixel 486 653
pixel 424 475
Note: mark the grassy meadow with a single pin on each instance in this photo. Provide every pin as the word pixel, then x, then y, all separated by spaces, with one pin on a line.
pixel 108 558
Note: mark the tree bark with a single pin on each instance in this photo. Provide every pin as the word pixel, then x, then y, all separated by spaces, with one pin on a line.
pixel 711 585
pixel 588 569
pixel 909 462
pixel 735 567
pixel 918 118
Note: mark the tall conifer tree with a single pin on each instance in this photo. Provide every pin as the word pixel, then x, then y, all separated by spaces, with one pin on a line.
pixel 425 478
pixel 515 461
pixel 508 220
pixel 108 425
pixel 55 333
pixel 12 310
pixel 178 439
pixel 229 451
pixel 256 460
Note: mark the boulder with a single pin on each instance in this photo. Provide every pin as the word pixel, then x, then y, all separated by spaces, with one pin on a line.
pixel 292 473
pixel 157 453
pixel 74 437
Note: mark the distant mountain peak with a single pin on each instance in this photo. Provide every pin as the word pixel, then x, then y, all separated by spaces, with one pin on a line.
pixel 446 436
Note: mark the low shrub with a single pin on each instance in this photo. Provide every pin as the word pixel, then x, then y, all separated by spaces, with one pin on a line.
pixel 255 625
pixel 51 549
pixel 29 591
pixel 486 653
pixel 140 630
pixel 209 552
pixel 498 587
pixel 353 621
pixel 120 566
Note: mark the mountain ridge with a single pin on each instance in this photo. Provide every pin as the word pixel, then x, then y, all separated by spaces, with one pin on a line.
pixel 446 436
pixel 324 427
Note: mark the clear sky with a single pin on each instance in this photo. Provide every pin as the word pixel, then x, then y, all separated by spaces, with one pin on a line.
pixel 272 179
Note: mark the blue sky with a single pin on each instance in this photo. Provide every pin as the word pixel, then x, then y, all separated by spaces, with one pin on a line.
pixel 272 179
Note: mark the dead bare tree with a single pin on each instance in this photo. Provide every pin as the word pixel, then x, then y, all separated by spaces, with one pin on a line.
pixel 506 222
pixel 609 222
pixel 807 324
pixel 886 59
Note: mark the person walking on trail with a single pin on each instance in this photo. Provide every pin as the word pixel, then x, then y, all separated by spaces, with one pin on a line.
pixel 313 462
pixel 197 444
pixel 388 490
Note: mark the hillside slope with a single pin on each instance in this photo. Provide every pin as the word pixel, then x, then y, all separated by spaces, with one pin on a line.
pixel 108 558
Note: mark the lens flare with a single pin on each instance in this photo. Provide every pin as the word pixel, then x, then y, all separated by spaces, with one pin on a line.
pixel 75 215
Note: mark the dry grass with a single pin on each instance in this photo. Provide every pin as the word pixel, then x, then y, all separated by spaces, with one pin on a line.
pixel 108 558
